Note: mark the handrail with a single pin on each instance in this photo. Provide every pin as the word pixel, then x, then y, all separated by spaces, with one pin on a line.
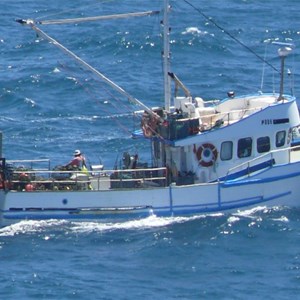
pixel 33 179
pixel 228 113
pixel 31 162
pixel 90 172
pixel 210 120
pixel 271 154
pixel 27 160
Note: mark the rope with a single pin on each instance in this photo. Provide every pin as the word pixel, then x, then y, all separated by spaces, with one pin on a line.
pixel 230 35
pixel 117 107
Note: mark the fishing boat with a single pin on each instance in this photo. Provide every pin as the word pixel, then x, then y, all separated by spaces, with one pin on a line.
pixel 207 156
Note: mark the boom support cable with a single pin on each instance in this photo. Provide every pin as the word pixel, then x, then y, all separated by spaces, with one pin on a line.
pixel 97 18
pixel 116 87
pixel 230 35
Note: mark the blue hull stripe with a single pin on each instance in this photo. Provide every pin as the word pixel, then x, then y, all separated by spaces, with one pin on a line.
pixel 258 180
pixel 161 211
pixel 247 171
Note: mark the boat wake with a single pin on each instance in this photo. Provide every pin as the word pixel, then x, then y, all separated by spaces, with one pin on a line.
pixel 34 226
pixel 145 223
pixel 255 215
pixel 31 226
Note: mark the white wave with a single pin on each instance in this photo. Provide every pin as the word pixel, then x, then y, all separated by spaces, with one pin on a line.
pixel 233 219
pixel 194 31
pixel 56 70
pixel 250 212
pixel 72 79
pixel 282 219
pixel 29 226
pixel 149 222
pixel 34 226
pixel 37 226
pixel 29 101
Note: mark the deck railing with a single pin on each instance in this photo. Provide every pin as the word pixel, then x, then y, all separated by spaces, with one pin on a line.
pixel 39 179
pixel 265 160
pixel 209 121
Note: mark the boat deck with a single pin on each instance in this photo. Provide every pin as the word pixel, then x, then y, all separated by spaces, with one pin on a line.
pixel 42 179
pixel 36 178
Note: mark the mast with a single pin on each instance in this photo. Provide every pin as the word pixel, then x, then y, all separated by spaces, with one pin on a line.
pixel 284 50
pixel 166 56
pixel 283 53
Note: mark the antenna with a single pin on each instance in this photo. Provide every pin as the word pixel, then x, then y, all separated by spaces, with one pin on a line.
pixel 283 52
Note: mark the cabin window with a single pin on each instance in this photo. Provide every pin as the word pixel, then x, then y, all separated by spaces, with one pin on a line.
pixel 263 144
pixel 280 138
pixel 226 150
pixel 244 147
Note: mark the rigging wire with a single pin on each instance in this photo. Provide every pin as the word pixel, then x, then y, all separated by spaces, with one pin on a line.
pixel 43 34
pixel 97 18
pixel 116 106
pixel 263 70
pixel 230 35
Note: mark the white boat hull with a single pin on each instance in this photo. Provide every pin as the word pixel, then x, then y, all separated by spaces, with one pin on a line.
pixel 277 186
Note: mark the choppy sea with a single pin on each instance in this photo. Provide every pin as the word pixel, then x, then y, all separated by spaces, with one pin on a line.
pixel 50 106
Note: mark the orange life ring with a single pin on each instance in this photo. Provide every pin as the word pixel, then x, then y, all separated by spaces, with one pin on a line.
pixel 206 154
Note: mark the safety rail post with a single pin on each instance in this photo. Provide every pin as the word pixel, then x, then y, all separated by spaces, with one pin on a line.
pixel 98 183
pixel 272 159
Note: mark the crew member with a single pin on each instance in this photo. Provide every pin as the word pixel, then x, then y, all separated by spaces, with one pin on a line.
pixel 77 162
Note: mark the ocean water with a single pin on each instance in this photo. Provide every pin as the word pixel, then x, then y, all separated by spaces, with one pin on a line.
pixel 50 106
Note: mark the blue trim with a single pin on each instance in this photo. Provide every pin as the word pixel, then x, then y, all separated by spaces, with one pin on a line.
pixel 288 97
pixel 258 180
pixel 35 214
pixel 230 205
pixel 161 211
pixel 252 169
pixel 295 142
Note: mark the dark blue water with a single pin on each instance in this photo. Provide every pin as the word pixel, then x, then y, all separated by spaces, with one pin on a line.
pixel 50 107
